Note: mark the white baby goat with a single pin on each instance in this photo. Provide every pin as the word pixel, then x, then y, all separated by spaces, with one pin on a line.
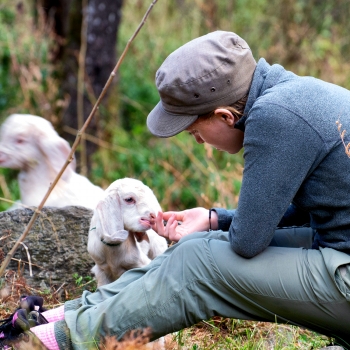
pixel 30 143
pixel 120 236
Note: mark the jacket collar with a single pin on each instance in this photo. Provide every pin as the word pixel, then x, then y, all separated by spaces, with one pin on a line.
pixel 265 76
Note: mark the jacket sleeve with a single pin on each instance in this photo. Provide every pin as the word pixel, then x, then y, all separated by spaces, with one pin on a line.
pixel 294 216
pixel 280 151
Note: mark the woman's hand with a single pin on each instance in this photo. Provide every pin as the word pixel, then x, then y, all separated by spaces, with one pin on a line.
pixel 192 220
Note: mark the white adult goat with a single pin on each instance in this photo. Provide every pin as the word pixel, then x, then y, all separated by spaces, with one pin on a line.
pixel 31 144
pixel 120 236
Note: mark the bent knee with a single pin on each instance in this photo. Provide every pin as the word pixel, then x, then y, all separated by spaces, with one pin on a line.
pixel 217 235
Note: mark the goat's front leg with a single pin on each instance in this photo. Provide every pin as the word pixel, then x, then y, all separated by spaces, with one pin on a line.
pixel 102 277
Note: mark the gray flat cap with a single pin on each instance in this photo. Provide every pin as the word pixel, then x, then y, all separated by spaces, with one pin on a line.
pixel 208 72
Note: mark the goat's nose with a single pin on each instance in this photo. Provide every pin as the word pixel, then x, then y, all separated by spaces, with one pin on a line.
pixel 152 216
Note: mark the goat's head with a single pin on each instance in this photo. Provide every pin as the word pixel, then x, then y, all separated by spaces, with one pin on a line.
pixel 128 205
pixel 27 140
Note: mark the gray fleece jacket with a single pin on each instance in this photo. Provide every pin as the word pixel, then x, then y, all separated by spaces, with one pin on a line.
pixel 293 153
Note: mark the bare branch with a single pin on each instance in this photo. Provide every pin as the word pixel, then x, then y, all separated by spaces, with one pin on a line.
pixel 10 255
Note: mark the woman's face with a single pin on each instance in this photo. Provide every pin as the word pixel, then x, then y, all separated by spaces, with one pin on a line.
pixel 218 131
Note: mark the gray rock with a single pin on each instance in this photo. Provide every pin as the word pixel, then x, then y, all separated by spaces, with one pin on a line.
pixel 57 244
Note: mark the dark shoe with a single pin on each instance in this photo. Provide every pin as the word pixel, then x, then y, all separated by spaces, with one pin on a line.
pixel 31 303
pixel 27 315
pixel 26 341
pixel 35 318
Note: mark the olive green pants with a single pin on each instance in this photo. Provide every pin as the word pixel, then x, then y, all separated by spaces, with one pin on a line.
pixel 201 276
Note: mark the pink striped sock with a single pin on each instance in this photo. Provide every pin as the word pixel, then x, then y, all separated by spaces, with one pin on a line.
pixel 46 333
pixel 54 315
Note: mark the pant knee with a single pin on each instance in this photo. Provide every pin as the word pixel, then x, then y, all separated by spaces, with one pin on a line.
pixel 217 235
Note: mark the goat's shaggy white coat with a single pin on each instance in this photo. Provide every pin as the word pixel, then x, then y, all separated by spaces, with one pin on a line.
pixel 30 144
pixel 120 236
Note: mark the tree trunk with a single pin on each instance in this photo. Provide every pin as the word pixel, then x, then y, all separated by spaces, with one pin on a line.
pixel 103 19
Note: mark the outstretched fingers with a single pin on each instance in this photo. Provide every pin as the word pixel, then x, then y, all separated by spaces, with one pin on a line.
pixel 169 230
pixel 179 215
pixel 158 224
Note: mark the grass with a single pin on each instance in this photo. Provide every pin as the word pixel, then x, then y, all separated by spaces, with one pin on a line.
pixel 216 333
pixel 181 173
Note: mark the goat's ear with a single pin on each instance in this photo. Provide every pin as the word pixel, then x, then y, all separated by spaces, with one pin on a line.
pixel 55 149
pixel 109 220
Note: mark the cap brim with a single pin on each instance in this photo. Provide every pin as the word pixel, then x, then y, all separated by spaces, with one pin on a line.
pixel 164 124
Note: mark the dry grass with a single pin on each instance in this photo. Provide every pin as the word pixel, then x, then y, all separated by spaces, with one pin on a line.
pixel 30 47
pixel 30 58
pixel 216 333
pixel 13 285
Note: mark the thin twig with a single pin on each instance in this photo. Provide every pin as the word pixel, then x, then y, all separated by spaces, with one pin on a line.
pixel 1 238
pixel 4 187
pixel 15 202
pixel 342 133
pixel 60 287
pixel 26 262
pixel 210 325
pixel 75 144
pixel 80 87
pixel 59 245
pixel 29 259
pixel 99 142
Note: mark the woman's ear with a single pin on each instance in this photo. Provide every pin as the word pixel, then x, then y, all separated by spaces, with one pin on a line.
pixel 226 115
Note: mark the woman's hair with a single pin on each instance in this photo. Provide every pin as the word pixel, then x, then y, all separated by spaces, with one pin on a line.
pixel 237 109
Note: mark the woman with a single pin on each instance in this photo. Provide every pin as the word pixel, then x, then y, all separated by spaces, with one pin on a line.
pixel 283 254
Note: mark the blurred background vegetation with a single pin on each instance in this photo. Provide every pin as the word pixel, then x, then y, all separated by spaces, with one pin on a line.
pixel 39 74
pixel 309 37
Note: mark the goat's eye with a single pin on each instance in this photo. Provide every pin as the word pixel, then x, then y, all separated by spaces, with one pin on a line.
pixel 129 200
pixel 19 141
